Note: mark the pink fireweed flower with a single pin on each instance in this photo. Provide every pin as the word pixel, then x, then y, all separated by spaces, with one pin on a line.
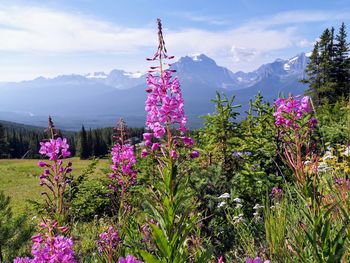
pixel 194 154
pixel 255 260
pixel 55 148
pixel 276 193
pixel 188 141
pixel 290 110
pixel 53 249
pixel 123 161
pixel 50 247
pixel 108 241
pixel 55 175
pixel 144 153
pixel 164 103
pixel 129 259
pixel 173 154
pixel 155 146
pixel 22 260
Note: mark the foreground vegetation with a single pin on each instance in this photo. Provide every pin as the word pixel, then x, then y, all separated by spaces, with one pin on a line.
pixel 273 187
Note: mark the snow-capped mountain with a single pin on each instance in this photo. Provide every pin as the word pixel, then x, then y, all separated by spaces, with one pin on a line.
pixel 118 79
pixel 99 98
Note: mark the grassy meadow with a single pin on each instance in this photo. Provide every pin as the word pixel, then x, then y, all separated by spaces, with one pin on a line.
pixel 19 179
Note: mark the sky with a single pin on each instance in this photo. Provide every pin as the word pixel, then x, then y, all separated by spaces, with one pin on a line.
pixel 55 37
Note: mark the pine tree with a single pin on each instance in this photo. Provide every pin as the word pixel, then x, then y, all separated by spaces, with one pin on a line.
pixel 90 143
pixel 4 149
pixel 84 148
pixel 327 87
pixel 313 72
pixel 328 70
pixel 341 61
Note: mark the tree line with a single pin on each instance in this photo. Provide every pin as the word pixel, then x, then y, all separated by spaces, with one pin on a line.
pixel 23 142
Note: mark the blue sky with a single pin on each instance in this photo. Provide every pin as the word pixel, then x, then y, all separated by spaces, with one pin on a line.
pixel 53 37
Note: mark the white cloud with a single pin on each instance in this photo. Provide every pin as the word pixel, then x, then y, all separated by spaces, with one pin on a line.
pixel 305 43
pixel 243 54
pixel 52 33
pixel 39 29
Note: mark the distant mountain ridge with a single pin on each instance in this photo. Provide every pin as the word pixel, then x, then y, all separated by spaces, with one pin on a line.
pixel 98 99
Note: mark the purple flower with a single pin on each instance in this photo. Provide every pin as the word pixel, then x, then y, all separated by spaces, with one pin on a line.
pixel 188 141
pixel 55 148
pixel 50 246
pixel 147 136
pixel 129 259
pixel 144 153
pixel 164 103
pixel 292 109
pixel 173 154
pixel 276 192
pixel 41 164
pixel 194 154
pixel 155 146
pixel 123 161
pixel 312 123
pixel 109 240
pixel 148 143
pixel 22 260
pixel 256 260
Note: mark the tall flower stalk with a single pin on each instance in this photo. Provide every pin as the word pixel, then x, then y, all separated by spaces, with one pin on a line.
pixel 52 243
pixel 122 178
pixel 295 122
pixel 55 177
pixel 170 203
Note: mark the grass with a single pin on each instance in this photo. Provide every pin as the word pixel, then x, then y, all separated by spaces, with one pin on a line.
pixel 19 179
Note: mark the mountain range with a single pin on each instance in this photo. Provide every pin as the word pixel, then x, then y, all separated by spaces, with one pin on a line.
pixel 98 99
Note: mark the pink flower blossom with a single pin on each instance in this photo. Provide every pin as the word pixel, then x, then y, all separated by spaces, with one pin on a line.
pixel 55 171
pixel 256 260
pixel 55 148
pixel 290 110
pixel 194 154
pixel 147 136
pixel 22 260
pixel 155 146
pixel 50 248
pixel 123 161
pixel 144 153
pixel 109 240
pixel 173 154
pixel 188 141
pixel 129 259
pixel 164 104
pixel 221 260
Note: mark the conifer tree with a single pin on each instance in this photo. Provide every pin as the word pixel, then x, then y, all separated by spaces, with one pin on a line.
pixel 326 65
pixel 328 73
pixel 90 143
pixel 4 149
pixel 84 148
pixel 313 72
pixel 342 62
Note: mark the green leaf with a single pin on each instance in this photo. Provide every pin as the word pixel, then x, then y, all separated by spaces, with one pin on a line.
pixel 161 241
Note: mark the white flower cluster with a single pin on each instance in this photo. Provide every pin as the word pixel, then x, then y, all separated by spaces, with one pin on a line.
pixel 223 196
pixel 256 208
pixel 238 219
